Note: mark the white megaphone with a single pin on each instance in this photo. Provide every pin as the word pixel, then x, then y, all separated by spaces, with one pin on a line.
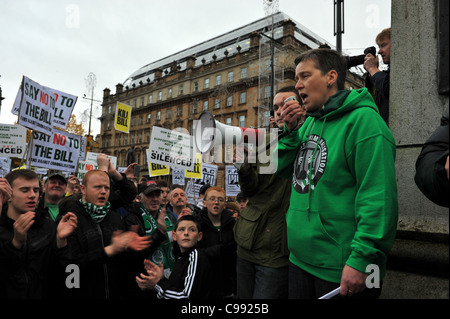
pixel 209 133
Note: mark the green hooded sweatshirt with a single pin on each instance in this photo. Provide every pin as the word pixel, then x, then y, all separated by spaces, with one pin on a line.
pixel 343 207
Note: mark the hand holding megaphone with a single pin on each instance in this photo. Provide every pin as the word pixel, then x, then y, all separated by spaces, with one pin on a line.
pixel 292 113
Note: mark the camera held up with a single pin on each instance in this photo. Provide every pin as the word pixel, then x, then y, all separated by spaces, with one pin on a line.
pixel 359 59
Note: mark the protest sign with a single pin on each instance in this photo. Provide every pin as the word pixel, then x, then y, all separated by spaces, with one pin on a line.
pixel 209 176
pixel 37 107
pixel 123 118
pixel 178 176
pixel 197 171
pixel 58 151
pixel 16 106
pixel 13 140
pixel 232 186
pixel 171 148
pixel 5 166
pixel 156 169
pixel 64 105
pixel 92 158
pixel 84 167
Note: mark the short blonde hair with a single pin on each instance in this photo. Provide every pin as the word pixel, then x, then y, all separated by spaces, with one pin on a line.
pixel 93 172
pixel 386 33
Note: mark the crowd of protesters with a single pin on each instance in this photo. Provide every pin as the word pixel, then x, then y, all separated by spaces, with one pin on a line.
pixel 319 223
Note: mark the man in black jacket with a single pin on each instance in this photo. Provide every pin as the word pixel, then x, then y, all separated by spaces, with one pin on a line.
pixel 432 176
pixel 100 243
pixel 378 81
pixel 30 244
pixel 218 242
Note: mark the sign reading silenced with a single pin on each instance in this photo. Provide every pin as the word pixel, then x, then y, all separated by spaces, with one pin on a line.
pixel 171 148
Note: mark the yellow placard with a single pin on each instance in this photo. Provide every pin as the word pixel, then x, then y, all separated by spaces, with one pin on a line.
pixel 197 172
pixel 158 169
pixel 123 118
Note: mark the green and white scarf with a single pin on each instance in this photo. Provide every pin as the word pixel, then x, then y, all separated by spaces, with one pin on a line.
pixel 96 212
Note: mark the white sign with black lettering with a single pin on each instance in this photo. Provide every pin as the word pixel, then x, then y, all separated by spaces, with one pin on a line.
pixel 13 140
pixel 58 151
pixel 171 148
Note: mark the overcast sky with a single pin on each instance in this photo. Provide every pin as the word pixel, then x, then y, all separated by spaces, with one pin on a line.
pixel 57 43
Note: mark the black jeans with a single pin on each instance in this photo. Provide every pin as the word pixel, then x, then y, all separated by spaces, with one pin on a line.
pixel 303 285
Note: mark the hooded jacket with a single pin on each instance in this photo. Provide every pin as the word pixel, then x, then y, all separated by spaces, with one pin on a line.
pixel 344 195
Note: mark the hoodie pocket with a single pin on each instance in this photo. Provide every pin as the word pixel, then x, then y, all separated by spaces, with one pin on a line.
pixel 310 242
pixel 245 228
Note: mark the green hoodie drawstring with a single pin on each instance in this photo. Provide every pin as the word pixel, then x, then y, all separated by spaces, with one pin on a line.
pixel 311 163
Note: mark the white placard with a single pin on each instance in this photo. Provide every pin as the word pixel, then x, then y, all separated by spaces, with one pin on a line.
pixel 58 151
pixel 171 148
pixel 13 140
pixel 232 186
pixel 37 107
pixel 92 158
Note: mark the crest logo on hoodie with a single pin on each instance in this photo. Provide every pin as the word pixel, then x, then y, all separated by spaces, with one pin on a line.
pixel 310 164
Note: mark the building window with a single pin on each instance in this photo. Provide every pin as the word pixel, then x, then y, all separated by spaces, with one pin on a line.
pixel 242 121
pixel 230 100
pixel 135 102
pixel 159 95
pixel 150 99
pixel 109 109
pixel 147 136
pixel 181 89
pixel 194 107
pixel 142 101
pixel 218 79
pixel 206 83
pixel 170 92
pixel 243 73
pixel 180 111
pixel 228 121
pixel 168 114
pixel 158 115
pixel 132 138
pixel 149 117
pixel 243 98
pixel 205 105
pixel 195 86
pixel 141 120
pixel 139 138
pixel 230 76
pixel 217 103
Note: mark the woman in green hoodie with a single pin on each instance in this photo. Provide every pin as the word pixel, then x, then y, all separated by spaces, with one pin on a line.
pixel 343 210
